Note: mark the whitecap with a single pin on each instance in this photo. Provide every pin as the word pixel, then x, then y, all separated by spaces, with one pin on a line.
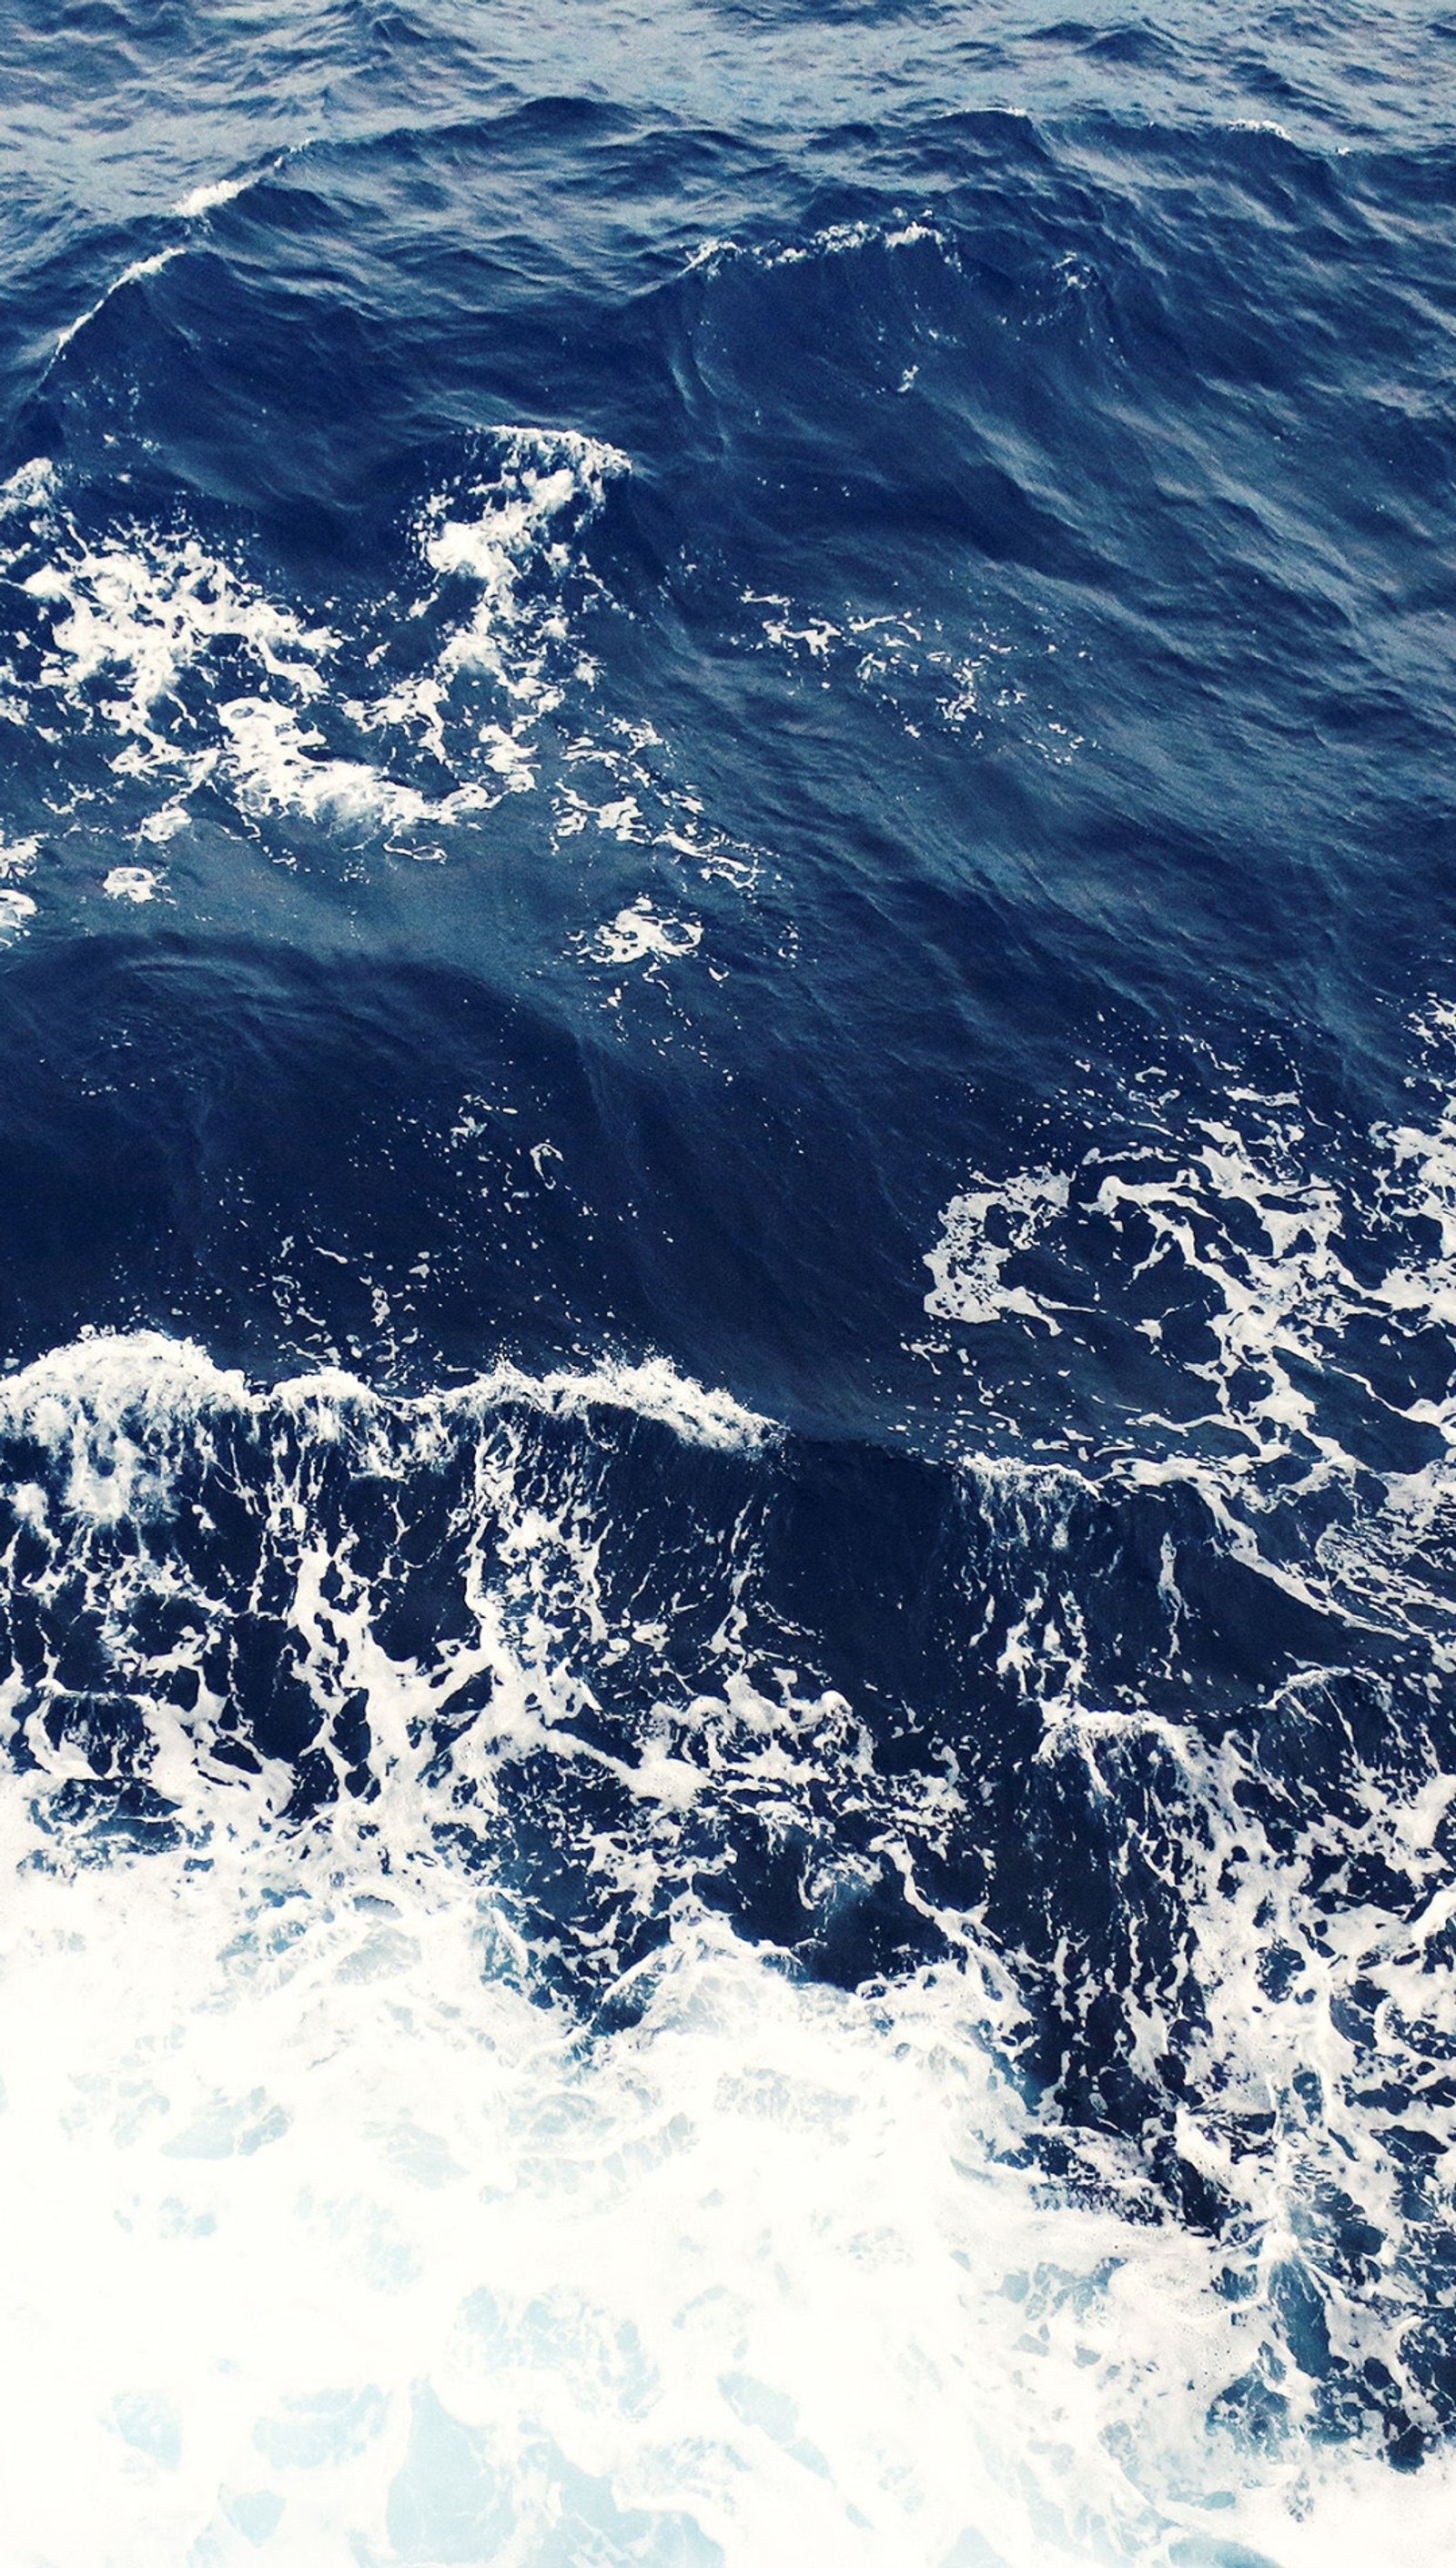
pixel 131 882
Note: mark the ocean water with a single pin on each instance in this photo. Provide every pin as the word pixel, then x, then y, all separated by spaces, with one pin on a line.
pixel 727 1146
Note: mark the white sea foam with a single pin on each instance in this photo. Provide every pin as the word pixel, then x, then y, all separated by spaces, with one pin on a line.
pixel 968 1260
pixel 653 1388
pixel 31 487
pixel 338 2247
pixel 273 757
pixel 136 883
pixel 379 2260
pixel 206 199
pixel 143 613
pixel 106 1377
pixel 493 531
pixel 337 2243
pixel 157 642
pixel 383 2257
pixel 1314 2010
pixel 1290 1258
pixel 640 933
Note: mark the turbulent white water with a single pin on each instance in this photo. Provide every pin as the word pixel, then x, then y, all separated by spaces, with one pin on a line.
pixel 335 2232
pixel 324 2240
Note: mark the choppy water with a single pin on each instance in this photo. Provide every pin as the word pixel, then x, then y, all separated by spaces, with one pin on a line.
pixel 727 1135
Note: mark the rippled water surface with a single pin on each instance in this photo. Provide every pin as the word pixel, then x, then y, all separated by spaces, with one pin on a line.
pixel 728 1144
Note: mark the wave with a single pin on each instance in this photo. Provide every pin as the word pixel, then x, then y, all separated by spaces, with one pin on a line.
pixel 296 1982
pixel 557 1650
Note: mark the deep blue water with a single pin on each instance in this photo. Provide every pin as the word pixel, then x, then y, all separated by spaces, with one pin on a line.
pixel 761 697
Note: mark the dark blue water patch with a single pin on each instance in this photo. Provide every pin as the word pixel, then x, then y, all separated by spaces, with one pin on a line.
pixel 251 1147
pixel 1168 621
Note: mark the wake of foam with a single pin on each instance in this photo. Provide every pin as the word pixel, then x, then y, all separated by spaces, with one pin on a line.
pixel 507 1634
pixel 449 1724
pixel 336 2246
